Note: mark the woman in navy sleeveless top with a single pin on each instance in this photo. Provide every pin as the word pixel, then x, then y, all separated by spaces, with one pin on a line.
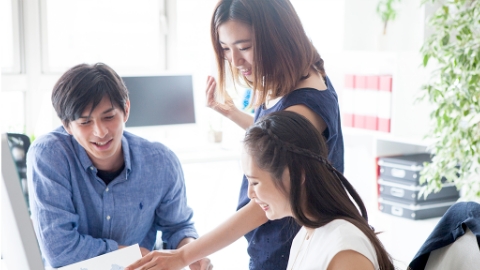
pixel 277 60
pixel 264 45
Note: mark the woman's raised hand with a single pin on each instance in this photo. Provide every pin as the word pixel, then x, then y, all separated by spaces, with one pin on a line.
pixel 224 108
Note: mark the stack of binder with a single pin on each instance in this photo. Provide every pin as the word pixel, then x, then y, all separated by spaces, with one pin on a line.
pixel 399 189
pixel 367 102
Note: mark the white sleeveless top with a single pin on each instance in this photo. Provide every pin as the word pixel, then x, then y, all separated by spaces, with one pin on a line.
pixel 326 242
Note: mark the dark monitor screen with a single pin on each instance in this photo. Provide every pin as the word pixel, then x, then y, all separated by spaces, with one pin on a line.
pixel 160 100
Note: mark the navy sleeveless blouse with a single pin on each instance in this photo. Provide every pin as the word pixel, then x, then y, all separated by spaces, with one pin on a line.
pixel 269 244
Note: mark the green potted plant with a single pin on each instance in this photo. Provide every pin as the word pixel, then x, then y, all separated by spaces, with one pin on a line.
pixel 386 11
pixel 453 50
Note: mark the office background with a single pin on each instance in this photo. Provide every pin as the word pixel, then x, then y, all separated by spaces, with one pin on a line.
pixel 41 39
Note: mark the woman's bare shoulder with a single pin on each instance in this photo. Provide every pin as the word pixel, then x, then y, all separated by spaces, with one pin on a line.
pixel 350 259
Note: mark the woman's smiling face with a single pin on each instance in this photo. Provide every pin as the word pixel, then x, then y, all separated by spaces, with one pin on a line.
pixel 262 189
pixel 236 39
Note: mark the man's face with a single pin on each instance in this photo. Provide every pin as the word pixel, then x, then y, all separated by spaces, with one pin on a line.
pixel 100 134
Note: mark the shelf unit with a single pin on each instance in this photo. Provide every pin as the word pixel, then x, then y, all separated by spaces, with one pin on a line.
pixel 399 56
pixel 366 52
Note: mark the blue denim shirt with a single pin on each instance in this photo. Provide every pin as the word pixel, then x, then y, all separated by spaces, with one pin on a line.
pixel 77 217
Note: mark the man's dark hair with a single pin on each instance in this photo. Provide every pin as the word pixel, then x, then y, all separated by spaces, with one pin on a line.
pixel 86 85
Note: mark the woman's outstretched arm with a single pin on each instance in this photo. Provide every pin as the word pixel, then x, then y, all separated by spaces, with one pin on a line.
pixel 243 221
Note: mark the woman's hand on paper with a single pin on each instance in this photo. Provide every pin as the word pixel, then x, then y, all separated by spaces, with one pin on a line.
pixel 144 251
pixel 167 260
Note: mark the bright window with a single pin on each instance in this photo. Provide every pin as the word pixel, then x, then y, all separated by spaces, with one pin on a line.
pixel 9 31
pixel 127 35
pixel 193 49
pixel 323 23
pixel 12 111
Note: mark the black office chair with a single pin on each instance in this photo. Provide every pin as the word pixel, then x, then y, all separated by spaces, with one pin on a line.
pixel 19 144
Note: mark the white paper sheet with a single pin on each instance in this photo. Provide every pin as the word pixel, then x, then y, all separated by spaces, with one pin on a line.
pixel 115 260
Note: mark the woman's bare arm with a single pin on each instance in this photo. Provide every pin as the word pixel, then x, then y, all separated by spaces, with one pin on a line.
pixel 314 118
pixel 243 221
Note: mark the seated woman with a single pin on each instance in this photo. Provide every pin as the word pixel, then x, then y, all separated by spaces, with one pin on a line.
pixel 285 161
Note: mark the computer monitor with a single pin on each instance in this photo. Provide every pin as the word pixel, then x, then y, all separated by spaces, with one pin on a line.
pixel 20 248
pixel 160 100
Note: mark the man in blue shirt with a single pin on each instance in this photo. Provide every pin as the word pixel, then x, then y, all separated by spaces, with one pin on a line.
pixel 95 188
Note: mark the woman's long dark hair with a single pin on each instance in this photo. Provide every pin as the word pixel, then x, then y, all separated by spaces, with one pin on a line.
pixel 318 192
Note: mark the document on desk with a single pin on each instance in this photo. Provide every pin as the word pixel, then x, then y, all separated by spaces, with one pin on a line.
pixel 115 260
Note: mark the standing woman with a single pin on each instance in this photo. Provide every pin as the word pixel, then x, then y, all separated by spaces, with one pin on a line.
pixel 265 46
pixel 289 176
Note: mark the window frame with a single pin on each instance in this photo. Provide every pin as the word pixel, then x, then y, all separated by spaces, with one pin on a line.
pixel 18 66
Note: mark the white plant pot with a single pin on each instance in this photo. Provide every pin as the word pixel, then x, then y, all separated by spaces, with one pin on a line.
pixel 383 42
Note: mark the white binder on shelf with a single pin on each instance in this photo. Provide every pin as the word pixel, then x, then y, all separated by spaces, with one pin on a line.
pixel 385 103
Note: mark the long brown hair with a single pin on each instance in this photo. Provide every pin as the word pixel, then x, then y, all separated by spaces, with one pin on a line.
pixel 283 54
pixel 318 192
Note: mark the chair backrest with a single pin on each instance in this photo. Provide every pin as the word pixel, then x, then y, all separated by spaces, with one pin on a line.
pixel 454 242
pixel 463 254
pixel 19 144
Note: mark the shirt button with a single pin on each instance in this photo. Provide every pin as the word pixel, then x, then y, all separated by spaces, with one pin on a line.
pixel 108 217
pixel 91 168
pixel 106 189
